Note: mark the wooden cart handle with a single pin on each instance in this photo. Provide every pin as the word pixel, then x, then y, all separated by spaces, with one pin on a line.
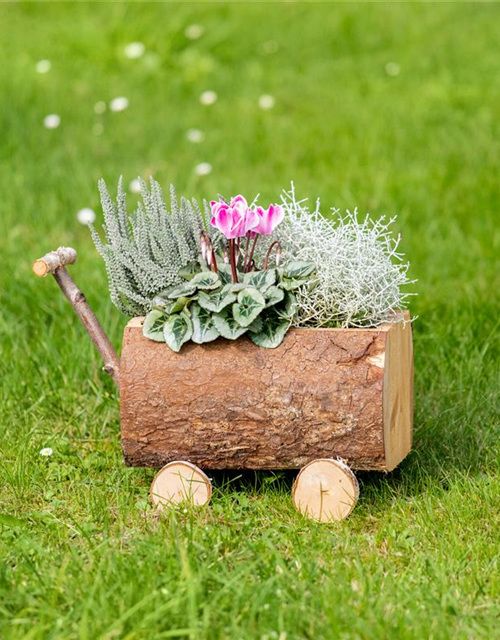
pixel 55 263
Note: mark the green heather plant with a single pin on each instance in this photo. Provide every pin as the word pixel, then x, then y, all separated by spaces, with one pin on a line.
pixel 143 252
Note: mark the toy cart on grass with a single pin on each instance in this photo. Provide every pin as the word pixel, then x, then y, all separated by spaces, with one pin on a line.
pixel 325 401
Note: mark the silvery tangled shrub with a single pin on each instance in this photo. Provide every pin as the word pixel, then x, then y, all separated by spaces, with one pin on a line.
pixel 359 271
pixel 143 252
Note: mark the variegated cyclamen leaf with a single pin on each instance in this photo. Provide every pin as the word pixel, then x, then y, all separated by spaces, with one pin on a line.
pixel 274 295
pixel 159 304
pixel 273 331
pixel 261 280
pixel 174 306
pixel 189 271
pixel 215 301
pixel 250 304
pixel 234 287
pixel 153 326
pixel 298 269
pixel 161 299
pixel 178 329
pixel 290 284
pixel 206 280
pixel 226 275
pixel 288 308
pixel 203 327
pixel 227 326
pixel 186 289
pixel 256 326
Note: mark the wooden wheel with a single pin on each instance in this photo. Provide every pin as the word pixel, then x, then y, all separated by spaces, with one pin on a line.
pixel 325 490
pixel 180 482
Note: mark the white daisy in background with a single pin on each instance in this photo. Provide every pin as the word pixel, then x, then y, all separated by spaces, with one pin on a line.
pixel 203 169
pixel 392 69
pixel 266 102
pixel 134 50
pixel 43 66
pixel 100 107
pixel 46 452
pixel 195 135
pixel 208 98
pixel 52 121
pixel 194 31
pixel 135 186
pixel 271 46
pixel 118 104
pixel 86 216
pixel 98 129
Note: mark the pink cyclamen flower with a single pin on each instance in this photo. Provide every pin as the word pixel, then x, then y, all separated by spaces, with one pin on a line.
pixel 235 219
pixel 269 220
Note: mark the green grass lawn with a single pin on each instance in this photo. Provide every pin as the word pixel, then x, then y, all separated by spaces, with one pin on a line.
pixel 82 555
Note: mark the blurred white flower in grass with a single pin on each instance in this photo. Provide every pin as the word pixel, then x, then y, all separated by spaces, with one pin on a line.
pixel 52 121
pixel 203 169
pixel 208 97
pixel 135 186
pixel 266 102
pixel 392 69
pixel 195 135
pixel 271 46
pixel 43 66
pixel 118 104
pixel 134 50
pixel 86 216
pixel 98 129
pixel 46 452
pixel 194 31
pixel 100 107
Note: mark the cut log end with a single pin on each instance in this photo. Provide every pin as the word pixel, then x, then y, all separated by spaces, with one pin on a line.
pixel 325 490
pixel 40 268
pixel 53 260
pixel 180 482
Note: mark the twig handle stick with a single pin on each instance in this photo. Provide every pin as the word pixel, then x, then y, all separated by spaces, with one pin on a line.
pixel 53 260
pixel 54 263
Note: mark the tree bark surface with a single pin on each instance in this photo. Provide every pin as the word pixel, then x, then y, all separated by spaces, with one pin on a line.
pixel 233 405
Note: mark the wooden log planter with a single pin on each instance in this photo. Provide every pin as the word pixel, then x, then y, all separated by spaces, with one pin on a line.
pixel 324 401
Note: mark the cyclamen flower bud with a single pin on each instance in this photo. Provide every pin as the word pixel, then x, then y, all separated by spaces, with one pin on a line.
pixel 203 243
pixel 278 256
pixel 209 252
pixel 226 255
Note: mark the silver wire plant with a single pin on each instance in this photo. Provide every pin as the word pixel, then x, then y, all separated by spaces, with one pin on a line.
pixel 144 251
pixel 359 270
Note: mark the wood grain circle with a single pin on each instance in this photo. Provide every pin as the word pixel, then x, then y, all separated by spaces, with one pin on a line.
pixel 179 482
pixel 325 490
